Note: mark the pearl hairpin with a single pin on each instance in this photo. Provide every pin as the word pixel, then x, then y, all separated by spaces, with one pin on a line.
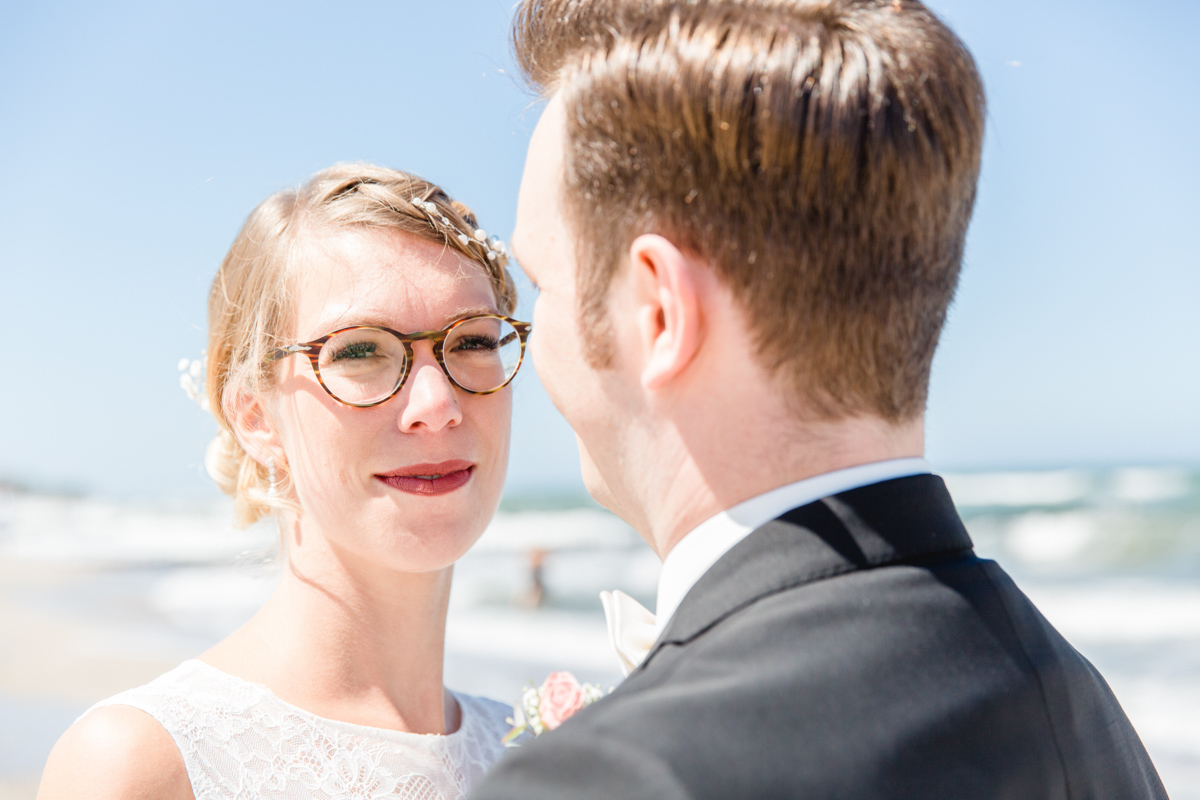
pixel 272 491
pixel 494 247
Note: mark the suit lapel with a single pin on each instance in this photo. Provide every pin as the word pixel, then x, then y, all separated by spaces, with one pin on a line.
pixel 887 522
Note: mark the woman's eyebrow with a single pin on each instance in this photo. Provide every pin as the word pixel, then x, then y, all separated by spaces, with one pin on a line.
pixel 471 311
pixel 380 320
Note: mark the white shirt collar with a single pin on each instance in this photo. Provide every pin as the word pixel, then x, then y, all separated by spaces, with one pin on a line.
pixel 707 542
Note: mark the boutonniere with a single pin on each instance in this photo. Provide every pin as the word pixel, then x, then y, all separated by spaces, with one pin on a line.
pixel 544 709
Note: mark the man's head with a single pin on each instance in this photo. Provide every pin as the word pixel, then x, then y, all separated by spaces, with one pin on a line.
pixel 819 158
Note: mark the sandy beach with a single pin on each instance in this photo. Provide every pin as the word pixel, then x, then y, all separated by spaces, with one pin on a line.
pixel 51 669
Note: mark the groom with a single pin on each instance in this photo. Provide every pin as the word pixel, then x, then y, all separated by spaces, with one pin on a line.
pixel 746 222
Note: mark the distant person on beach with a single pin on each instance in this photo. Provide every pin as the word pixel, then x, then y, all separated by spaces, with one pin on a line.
pixel 746 221
pixel 359 360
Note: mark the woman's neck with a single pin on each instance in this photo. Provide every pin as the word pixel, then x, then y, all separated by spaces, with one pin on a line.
pixel 349 640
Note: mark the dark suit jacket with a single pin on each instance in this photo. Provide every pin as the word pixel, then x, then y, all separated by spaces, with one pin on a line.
pixel 853 648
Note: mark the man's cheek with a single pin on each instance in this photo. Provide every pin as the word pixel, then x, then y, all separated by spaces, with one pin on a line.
pixel 535 348
pixel 593 480
pixel 546 344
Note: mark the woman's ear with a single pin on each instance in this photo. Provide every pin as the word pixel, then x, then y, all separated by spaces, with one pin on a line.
pixel 252 426
pixel 670 322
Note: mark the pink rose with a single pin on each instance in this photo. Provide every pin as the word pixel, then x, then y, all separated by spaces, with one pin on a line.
pixel 559 698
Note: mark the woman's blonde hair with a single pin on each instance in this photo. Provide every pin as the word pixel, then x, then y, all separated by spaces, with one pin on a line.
pixel 249 305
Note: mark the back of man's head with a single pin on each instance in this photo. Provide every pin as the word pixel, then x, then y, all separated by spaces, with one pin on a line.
pixel 822 155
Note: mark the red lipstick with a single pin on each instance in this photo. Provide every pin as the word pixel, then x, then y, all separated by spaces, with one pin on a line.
pixel 429 479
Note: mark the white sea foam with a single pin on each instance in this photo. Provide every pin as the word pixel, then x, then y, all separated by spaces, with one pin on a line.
pixel 1130 611
pixel 1039 538
pixel 1143 485
pixel 1019 489
pixel 100 532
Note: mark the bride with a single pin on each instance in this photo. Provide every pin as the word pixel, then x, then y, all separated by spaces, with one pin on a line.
pixel 359 351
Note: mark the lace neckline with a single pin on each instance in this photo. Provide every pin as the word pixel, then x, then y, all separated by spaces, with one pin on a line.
pixel 466 715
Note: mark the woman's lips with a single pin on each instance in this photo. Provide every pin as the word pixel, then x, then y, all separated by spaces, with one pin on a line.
pixel 430 479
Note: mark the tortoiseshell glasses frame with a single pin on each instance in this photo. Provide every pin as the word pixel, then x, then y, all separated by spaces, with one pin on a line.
pixel 313 351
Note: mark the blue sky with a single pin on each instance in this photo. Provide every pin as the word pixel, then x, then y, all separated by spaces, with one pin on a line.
pixel 137 136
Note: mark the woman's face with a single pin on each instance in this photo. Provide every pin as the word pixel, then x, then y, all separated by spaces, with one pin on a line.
pixel 355 469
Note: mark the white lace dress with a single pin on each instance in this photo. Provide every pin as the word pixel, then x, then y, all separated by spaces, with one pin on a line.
pixel 239 740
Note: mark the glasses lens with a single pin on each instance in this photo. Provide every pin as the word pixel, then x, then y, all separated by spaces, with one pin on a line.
pixel 481 354
pixel 362 365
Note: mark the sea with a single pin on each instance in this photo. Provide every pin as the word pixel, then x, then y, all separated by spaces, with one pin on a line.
pixel 1110 556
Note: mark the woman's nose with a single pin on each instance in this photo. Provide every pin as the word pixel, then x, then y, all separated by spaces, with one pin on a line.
pixel 432 400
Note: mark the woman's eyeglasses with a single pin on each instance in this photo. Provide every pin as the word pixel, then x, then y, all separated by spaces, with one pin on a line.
pixel 364 366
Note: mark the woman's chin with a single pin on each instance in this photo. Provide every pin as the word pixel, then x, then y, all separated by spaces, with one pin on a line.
pixel 432 545
pixel 439 556
pixel 405 533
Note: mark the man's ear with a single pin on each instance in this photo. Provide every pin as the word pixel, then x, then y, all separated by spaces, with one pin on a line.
pixel 667 288
pixel 253 428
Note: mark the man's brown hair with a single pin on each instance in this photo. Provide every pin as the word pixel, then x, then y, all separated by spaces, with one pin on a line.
pixel 822 155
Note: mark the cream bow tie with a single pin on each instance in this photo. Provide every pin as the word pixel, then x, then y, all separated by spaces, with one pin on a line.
pixel 632 629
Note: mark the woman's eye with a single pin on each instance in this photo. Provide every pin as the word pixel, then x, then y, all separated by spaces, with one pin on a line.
pixel 355 350
pixel 475 343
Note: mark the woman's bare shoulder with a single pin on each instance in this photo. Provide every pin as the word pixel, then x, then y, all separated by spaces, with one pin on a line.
pixel 115 752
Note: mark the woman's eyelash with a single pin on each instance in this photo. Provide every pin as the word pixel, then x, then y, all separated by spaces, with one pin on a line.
pixel 353 350
pixel 476 342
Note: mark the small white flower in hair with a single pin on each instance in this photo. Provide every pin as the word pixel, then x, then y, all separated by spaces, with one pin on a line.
pixel 191 380
pixel 188 383
pixel 480 235
pixel 463 240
